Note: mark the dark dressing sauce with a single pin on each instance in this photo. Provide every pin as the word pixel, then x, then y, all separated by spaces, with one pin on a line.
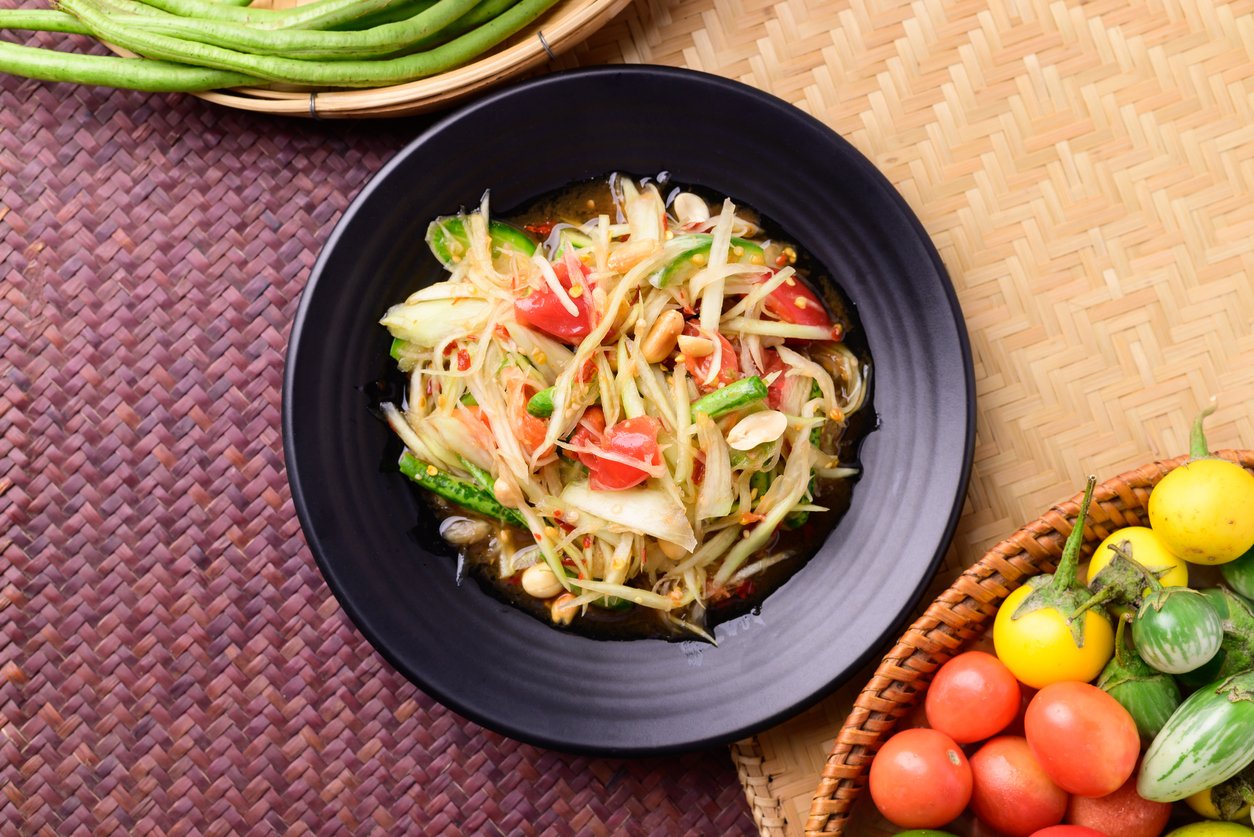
pixel 575 204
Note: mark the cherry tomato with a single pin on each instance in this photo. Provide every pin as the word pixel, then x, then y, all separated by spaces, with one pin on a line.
pixel 1067 831
pixel 699 367
pixel 541 309
pixel 920 779
pixel 1012 792
pixel 973 696
pixel 793 302
pixel 635 438
pixel 1124 813
pixel 1083 738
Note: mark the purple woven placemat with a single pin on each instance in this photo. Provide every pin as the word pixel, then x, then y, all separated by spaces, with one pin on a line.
pixel 171 660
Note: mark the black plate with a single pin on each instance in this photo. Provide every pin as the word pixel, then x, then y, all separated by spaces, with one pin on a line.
pixel 505 669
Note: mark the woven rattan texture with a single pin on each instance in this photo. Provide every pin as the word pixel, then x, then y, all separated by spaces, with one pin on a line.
pixel 1086 170
pixel 171 661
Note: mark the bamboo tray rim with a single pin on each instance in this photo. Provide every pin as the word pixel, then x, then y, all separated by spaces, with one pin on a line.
pixel 558 30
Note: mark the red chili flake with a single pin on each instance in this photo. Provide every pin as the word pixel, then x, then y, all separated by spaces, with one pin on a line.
pixel 698 471
pixel 557 514
pixel 463 360
pixel 537 535
pixel 781 260
pixel 587 542
pixel 838 332
pixel 544 229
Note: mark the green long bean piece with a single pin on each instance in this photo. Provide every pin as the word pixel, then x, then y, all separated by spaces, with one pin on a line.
pixel 540 405
pixel 109 71
pixel 477 16
pixel 735 395
pixel 312 44
pixel 320 14
pixel 392 14
pixel 297 71
pixel 457 491
pixel 41 20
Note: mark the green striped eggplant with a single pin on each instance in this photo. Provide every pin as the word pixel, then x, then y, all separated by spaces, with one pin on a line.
pixel 1236 652
pixel 1240 574
pixel 1208 740
pixel 1176 630
pixel 1149 696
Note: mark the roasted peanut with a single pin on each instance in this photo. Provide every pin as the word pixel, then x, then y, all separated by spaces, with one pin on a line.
pixel 560 610
pixel 756 429
pixel 539 581
pixel 660 340
pixel 693 346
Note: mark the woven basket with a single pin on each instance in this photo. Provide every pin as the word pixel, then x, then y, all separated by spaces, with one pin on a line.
pixel 563 26
pixel 961 613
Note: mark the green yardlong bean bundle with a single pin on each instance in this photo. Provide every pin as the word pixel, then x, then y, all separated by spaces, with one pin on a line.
pixel 197 45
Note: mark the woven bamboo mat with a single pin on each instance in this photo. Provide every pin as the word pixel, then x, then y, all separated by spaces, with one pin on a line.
pixel 1086 170
pixel 170 659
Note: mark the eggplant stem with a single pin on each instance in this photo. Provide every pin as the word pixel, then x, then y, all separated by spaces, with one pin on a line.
pixel 1100 597
pixel 1124 550
pixel 1197 439
pixel 1064 576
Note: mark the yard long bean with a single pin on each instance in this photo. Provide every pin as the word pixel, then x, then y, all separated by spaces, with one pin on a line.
pixel 354 73
pixel 110 71
pixel 313 44
pixel 320 14
pixel 41 20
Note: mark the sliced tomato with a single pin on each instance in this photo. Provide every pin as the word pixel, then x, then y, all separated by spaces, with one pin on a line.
pixel 590 433
pixel 774 392
pixel 543 310
pixel 699 367
pixel 793 302
pixel 634 438
pixel 528 429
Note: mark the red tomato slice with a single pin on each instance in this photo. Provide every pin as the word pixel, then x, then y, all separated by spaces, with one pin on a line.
pixel 699 367
pixel 528 429
pixel 634 438
pixel 775 392
pixel 793 302
pixel 541 309
pixel 590 433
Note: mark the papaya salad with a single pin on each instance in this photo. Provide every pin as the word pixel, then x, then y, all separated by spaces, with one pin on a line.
pixel 624 403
